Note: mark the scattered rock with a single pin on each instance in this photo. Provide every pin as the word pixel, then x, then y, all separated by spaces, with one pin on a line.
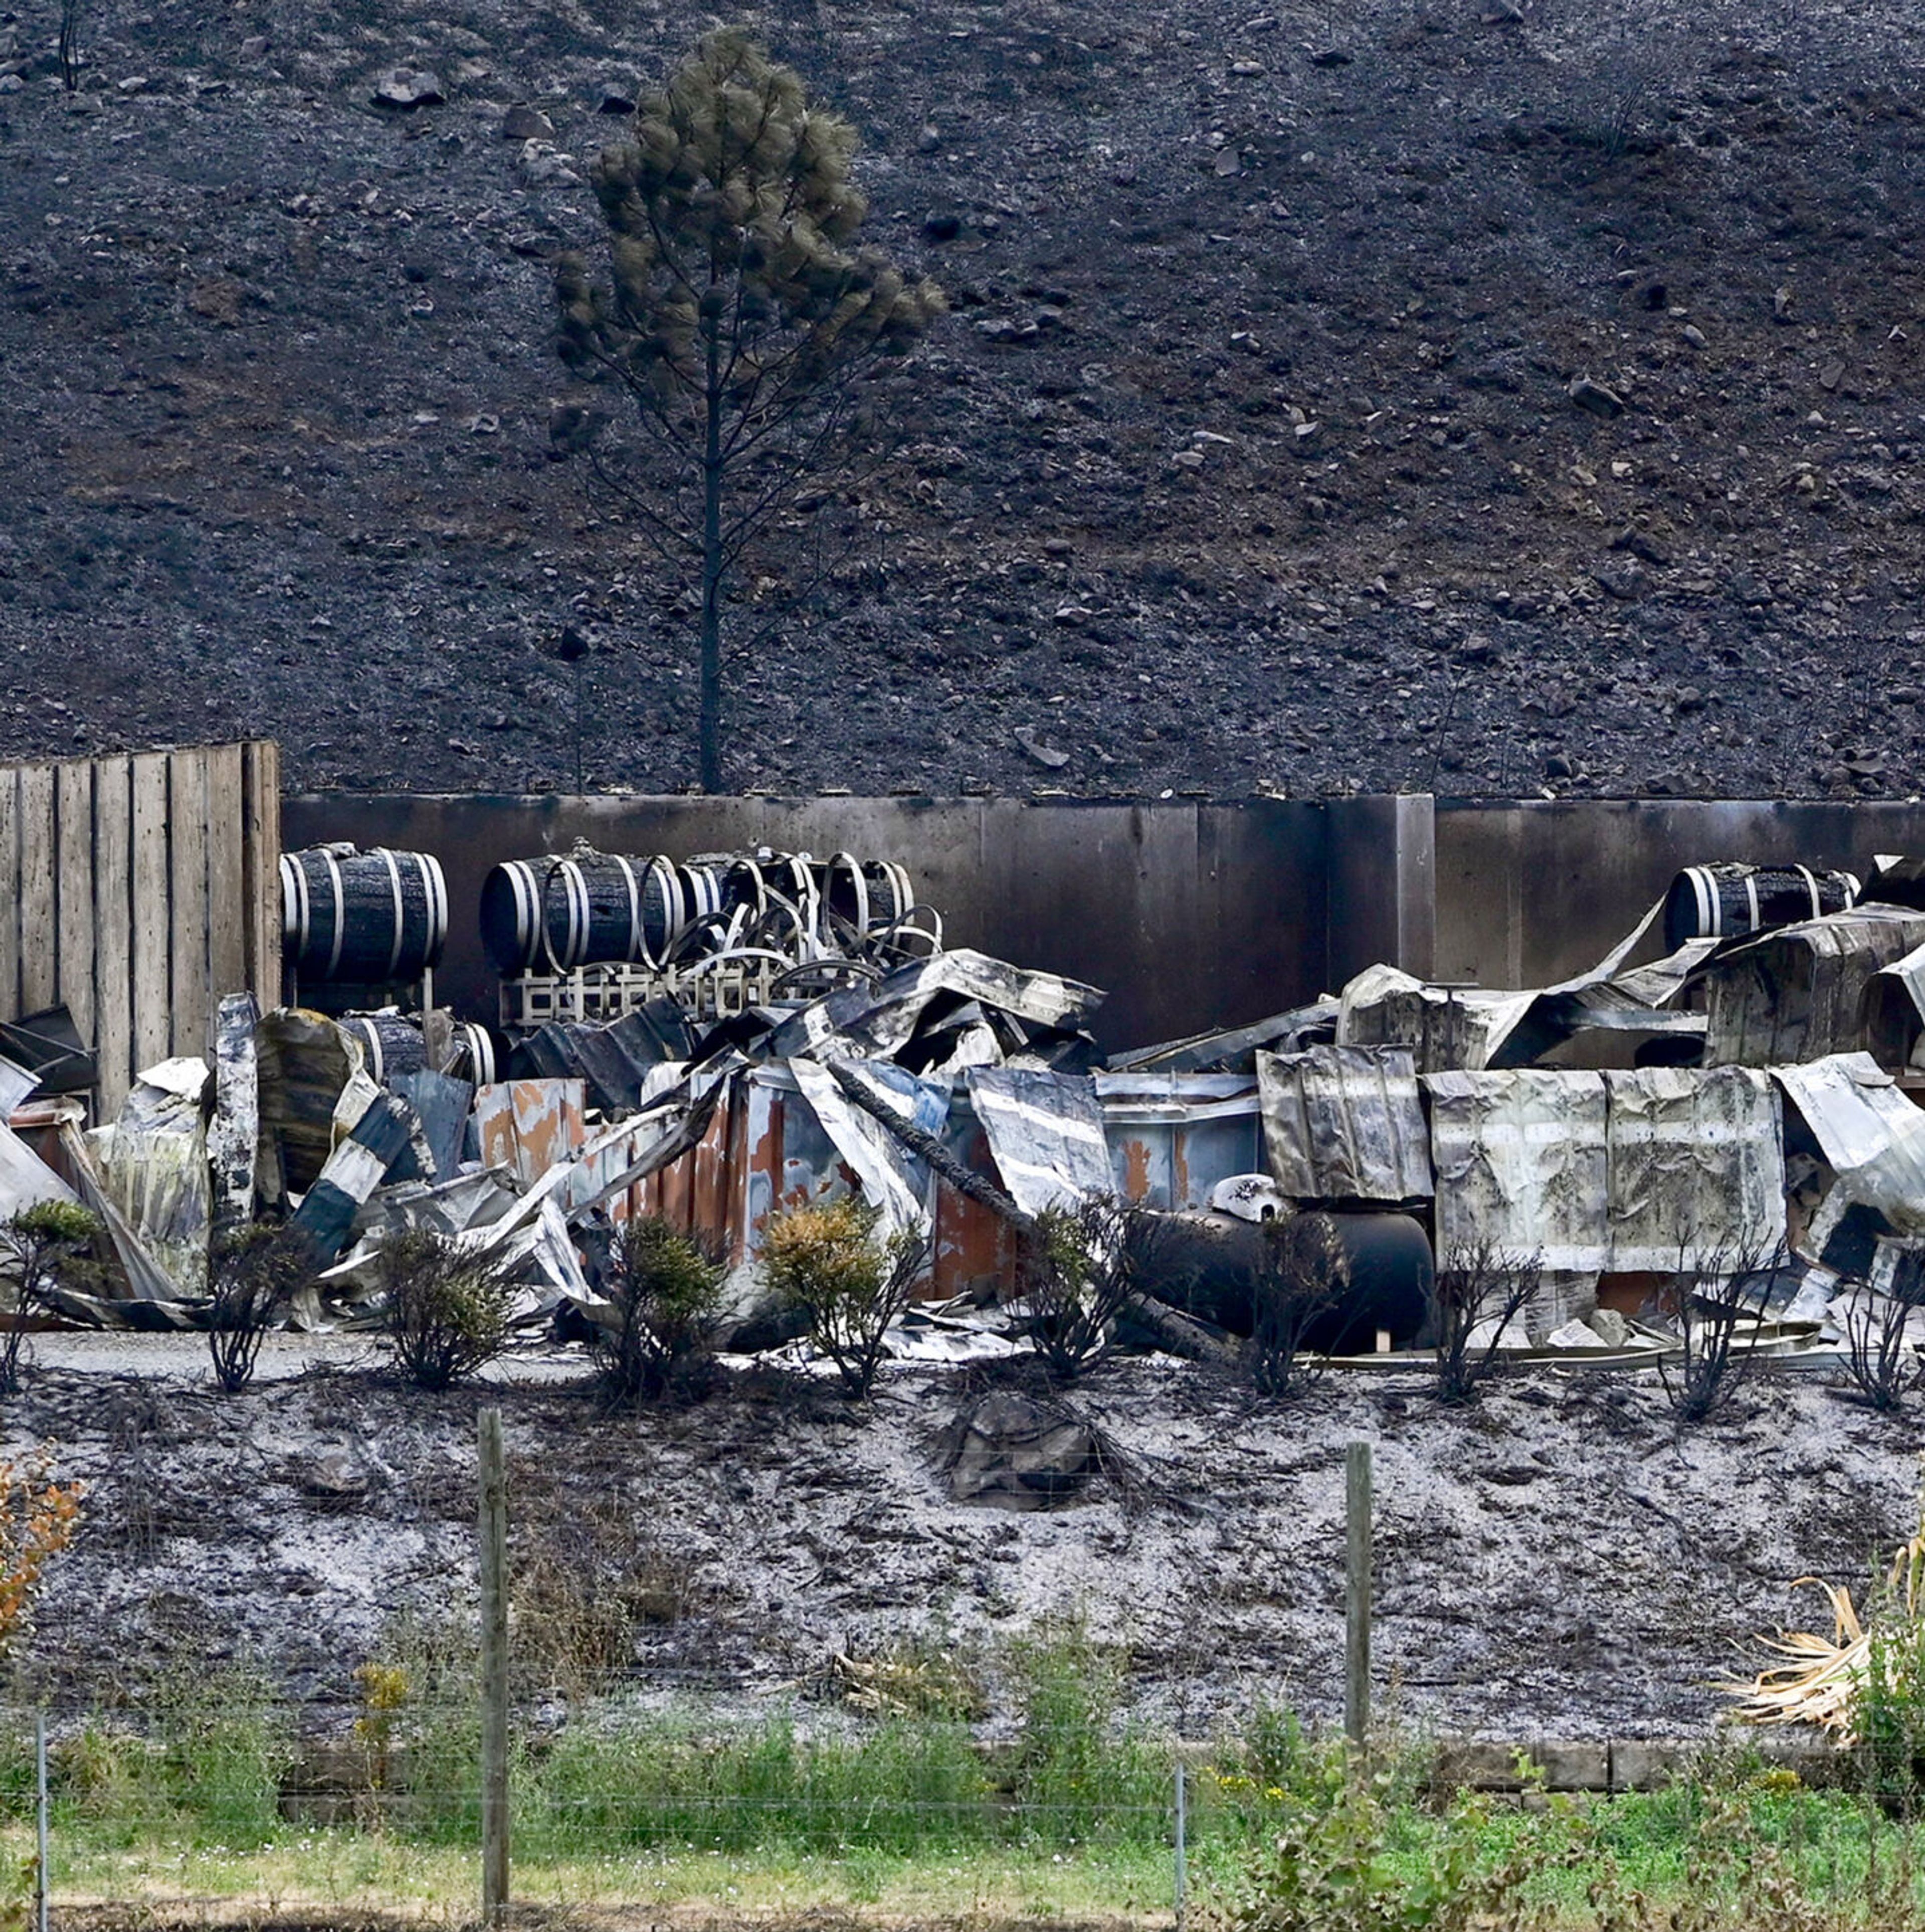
pixel 540 164
pixel 527 124
pixel 1594 397
pixel 1641 543
pixel 1693 334
pixel 1048 756
pixel 403 87
pixel 1625 580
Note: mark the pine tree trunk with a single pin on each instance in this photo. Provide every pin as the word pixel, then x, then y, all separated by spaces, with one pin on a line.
pixel 710 727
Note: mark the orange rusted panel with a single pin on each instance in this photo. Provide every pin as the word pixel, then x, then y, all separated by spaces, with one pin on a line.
pixel 494 1122
pixel 1135 1166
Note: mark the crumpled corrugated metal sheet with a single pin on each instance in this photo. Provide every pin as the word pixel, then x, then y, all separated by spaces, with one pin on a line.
pixel 896 1186
pixel 1521 1160
pixel 1476 1028
pixel 878 1021
pixel 1798 993
pixel 1872 1135
pixel 1894 1012
pixel 1046 1134
pixel 1696 1167
pixel 1344 1123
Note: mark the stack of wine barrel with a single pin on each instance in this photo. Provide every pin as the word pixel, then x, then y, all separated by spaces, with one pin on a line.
pixel 362 931
pixel 594 935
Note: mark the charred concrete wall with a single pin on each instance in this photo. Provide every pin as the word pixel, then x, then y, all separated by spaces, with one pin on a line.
pixel 1528 894
pixel 1192 913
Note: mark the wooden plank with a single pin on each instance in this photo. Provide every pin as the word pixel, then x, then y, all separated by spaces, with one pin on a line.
pixel 73 798
pixel 113 920
pixel 187 919
pixel 40 859
pixel 10 893
pixel 260 768
pixel 153 1004
pixel 227 906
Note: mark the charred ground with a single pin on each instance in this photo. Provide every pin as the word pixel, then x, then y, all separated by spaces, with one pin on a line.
pixel 1558 1560
pixel 1248 457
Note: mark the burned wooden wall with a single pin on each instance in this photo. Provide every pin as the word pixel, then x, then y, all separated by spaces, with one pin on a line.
pixel 137 891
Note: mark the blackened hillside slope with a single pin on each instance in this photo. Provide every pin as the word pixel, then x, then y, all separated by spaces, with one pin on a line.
pixel 1249 455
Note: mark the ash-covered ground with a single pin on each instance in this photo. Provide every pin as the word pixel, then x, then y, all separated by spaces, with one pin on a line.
pixel 1247 458
pixel 1558 1560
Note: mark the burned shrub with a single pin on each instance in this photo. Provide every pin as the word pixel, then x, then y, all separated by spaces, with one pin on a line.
pixel 664 1291
pixel 1480 1286
pixel 827 1262
pixel 1302 1274
pixel 36 1244
pixel 1725 1291
pixel 1881 1365
pixel 1082 1266
pixel 447 1309
pixel 254 1274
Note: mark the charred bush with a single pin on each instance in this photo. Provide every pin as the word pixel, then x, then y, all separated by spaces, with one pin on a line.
pixel 1715 1302
pixel 827 1262
pixel 1481 1289
pixel 254 1275
pixel 1303 1273
pixel 1082 1266
pixel 664 1291
pixel 447 1309
pixel 1879 1360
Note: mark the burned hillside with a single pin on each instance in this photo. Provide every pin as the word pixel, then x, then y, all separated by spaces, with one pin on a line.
pixel 1470 398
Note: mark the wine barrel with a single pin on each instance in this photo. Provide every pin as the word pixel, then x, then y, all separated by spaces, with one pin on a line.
pixel 868 894
pixel 591 908
pixel 474 1056
pixel 1721 902
pixel 373 918
pixel 391 1042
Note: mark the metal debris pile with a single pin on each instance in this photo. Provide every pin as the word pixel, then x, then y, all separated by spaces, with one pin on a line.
pixel 1739 1105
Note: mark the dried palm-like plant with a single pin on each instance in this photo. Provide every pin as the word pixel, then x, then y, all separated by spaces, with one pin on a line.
pixel 1826 1682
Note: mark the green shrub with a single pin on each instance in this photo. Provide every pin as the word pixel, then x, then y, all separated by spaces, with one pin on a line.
pixel 447 1308
pixel 827 1262
pixel 254 1274
pixel 36 1243
pixel 664 1292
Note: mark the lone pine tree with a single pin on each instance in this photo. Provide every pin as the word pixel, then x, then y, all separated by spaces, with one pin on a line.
pixel 740 316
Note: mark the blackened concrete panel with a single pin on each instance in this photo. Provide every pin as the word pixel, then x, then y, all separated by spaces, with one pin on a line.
pixel 1531 893
pixel 1191 914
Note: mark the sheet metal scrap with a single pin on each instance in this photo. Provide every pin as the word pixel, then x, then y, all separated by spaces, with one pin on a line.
pixel 1522 1163
pixel 1045 1135
pixel 1799 994
pixel 1233 1049
pixel 152 1165
pixel 1345 1123
pixel 1477 1028
pixel 1025 1011
pixel 615 1059
pixel 1696 1169
pixel 1873 1137
pixel 1894 1013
